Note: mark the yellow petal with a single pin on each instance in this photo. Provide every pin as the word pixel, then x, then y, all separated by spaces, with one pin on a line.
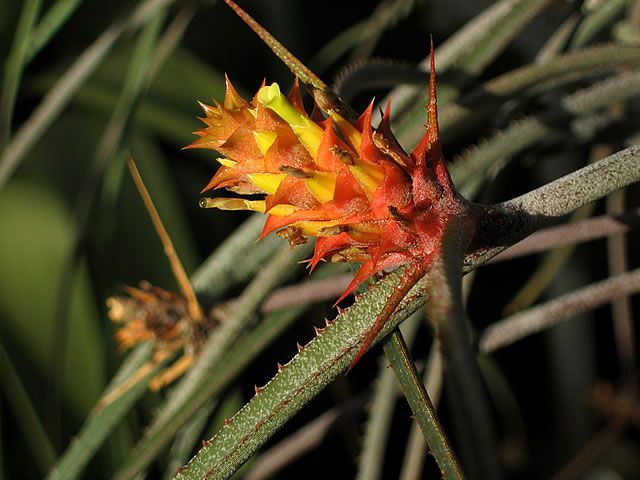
pixel 233 204
pixel 282 210
pixel 264 139
pixel 268 182
pixel 349 132
pixel 367 175
pixel 225 162
pixel 313 228
pixel 322 186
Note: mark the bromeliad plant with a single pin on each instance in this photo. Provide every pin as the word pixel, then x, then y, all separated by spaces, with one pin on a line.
pixel 339 180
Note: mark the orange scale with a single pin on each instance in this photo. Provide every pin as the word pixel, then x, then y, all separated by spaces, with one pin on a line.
pixel 368 151
pixel 391 260
pixel 238 171
pixel 287 151
pixel 274 223
pixel 326 158
pixel 232 99
pixel 425 191
pixel 326 245
pixel 267 119
pixel 349 198
pixel 394 191
pixel 395 239
pixel 295 97
pixel 240 146
pixel 292 191
pixel 429 227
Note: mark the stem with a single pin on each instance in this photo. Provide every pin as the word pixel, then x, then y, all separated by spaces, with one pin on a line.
pixel 174 413
pixel 380 411
pixel 414 456
pixel 464 382
pixel 397 353
pixel 501 226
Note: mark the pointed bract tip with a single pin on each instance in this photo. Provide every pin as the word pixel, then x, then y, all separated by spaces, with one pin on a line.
pixel 432 75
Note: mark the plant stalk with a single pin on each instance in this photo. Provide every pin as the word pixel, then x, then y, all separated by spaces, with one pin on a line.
pixel 396 351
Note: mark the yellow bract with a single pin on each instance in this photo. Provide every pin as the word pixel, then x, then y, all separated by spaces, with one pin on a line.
pixel 350 133
pixel 308 132
pixel 264 139
pixel 268 182
pixel 322 185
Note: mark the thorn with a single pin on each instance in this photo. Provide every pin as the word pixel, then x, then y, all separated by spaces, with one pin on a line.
pixel 300 347
pixel 327 322
pixel 340 309
pixel 258 389
pixel 179 470
pixel 280 367
pixel 227 422
pixel 318 330
pixel 205 443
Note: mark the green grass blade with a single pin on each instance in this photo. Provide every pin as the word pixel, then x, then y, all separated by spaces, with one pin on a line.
pixel 489 34
pixel 59 96
pixel 25 414
pixel 601 15
pixel 89 192
pixel 456 117
pixel 557 42
pixel 186 439
pixel 105 418
pixel 15 64
pixel 337 47
pixel 472 169
pixel 51 22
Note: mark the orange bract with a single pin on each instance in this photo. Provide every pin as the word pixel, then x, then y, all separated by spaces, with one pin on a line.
pixel 344 182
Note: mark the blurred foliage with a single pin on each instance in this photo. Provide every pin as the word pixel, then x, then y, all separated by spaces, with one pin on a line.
pixel 74 230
